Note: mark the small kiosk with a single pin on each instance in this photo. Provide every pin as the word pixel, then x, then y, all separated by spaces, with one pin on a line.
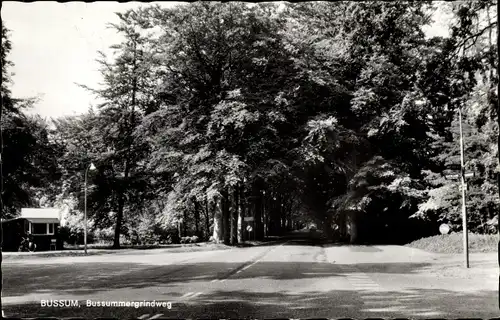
pixel 43 224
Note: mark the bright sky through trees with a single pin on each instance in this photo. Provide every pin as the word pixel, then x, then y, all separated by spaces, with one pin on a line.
pixel 55 45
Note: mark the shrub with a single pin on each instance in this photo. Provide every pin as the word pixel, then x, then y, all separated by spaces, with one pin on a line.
pixel 452 243
pixel 172 236
pixel 150 232
pixel 105 235
pixel 75 235
pixel 193 239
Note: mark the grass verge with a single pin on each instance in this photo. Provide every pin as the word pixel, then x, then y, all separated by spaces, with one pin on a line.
pixel 107 249
pixel 453 243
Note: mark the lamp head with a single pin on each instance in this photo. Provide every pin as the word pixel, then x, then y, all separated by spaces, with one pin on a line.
pixel 92 167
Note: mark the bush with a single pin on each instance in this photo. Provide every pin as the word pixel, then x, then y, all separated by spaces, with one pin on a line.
pixel 193 239
pixel 105 235
pixel 149 232
pixel 452 243
pixel 172 236
pixel 75 236
pixel 167 235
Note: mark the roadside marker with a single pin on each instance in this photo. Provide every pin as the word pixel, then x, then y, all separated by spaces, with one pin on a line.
pixel 144 316
pixel 156 316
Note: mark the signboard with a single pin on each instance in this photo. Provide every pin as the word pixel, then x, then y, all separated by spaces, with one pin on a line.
pixel 444 228
pixel 249 228
pixel 456 176
pixel 469 174
pixel 248 219
pixel 454 166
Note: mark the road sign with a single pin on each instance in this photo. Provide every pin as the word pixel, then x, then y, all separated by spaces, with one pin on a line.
pixel 454 166
pixel 249 228
pixel 444 228
pixel 456 176
pixel 248 219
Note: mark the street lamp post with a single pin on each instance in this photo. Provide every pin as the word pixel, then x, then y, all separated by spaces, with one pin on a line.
pixel 91 168
pixel 264 212
pixel 463 181
pixel 464 206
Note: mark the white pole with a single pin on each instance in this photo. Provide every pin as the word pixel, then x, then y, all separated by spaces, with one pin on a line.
pixel 464 208
pixel 85 214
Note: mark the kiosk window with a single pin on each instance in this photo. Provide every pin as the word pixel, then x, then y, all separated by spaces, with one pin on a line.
pixel 39 228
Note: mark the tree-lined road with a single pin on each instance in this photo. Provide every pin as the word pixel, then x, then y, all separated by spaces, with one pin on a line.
pixel 287 279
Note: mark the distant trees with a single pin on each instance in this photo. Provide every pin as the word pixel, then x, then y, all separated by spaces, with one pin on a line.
pixel 28 162
pixel 473 51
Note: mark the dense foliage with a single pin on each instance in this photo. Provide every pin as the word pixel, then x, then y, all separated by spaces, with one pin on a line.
pixel 29 155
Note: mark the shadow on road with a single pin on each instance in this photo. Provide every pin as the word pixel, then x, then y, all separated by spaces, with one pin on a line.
pixel 239 297
pixel 89 278
pixel 416 303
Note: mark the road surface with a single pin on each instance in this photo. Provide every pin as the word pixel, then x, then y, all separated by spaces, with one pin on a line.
pixel 294 279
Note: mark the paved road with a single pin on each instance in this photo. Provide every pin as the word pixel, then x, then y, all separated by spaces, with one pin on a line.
pixel 296 279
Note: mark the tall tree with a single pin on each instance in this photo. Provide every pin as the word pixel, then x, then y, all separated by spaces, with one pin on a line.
pixel 128 94
pixel 28 157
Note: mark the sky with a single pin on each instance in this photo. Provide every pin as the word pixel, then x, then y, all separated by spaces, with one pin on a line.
pixel 54 46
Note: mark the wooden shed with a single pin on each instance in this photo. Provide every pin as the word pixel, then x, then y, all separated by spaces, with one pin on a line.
pixel 43 224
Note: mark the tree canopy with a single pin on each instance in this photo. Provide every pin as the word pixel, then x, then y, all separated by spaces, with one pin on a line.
pixel 341 113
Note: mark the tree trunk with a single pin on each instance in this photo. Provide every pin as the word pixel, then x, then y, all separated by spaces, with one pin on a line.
pixel 119 218
pixel 265 209
pixel 121 204
pixel 184 224
pixel 226 227
pixel 218 225
pixel 327 228
pixel 259 227
pixel 241 214
pixel 179 229
pixel 353 227
pixel 197 218
pixel 234 216
pixel 342 226
pixel 498 117
pixel 207 220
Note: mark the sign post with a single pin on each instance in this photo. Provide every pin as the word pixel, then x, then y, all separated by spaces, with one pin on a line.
pixel 464 208
pixel 249 227
pixel 463 175
pixel 444 228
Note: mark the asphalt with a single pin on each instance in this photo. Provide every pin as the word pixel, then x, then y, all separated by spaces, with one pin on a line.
pixel 297 278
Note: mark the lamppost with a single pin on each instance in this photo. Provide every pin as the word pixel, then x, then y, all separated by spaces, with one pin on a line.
pixel 463 179
pixel 264 212
pixel 91 168
pixel 464 186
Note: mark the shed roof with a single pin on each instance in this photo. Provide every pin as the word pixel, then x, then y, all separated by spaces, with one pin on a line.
pixel 44 213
